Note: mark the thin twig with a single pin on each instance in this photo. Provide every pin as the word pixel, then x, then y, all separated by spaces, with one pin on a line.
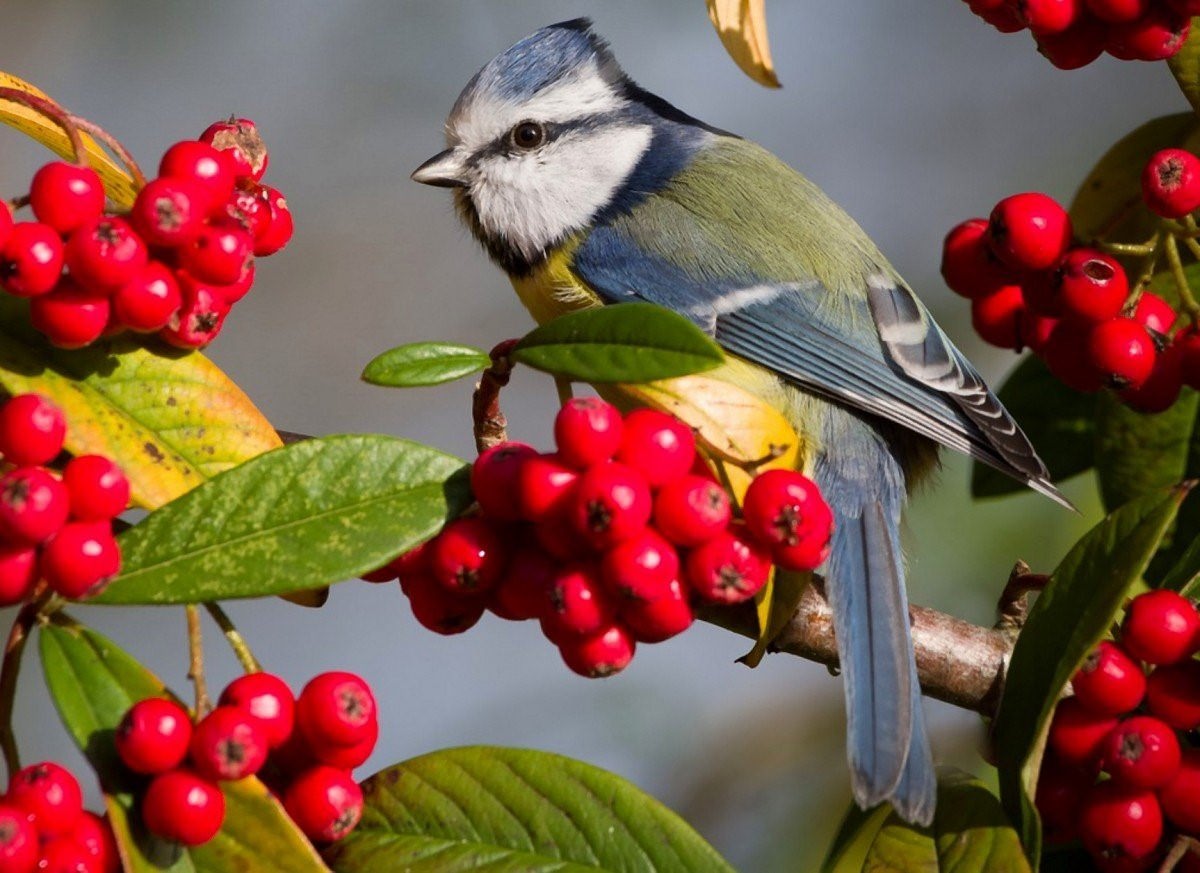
pixel 10 670
pixel 1180 277
pixel 55 113
pixel 196 660
pixel 122 153
pixel 491 427
pixel 236 641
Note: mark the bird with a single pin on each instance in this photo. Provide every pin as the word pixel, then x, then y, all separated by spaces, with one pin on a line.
pixel 586 189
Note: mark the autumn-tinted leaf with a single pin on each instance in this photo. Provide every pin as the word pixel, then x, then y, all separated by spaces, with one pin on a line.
pixel 418 364
pixel 311 514
pixel 742 27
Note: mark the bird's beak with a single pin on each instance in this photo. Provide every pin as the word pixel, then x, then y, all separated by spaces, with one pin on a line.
pixel 443 170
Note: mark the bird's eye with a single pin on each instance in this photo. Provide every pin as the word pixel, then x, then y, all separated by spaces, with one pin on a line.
pixel 528 135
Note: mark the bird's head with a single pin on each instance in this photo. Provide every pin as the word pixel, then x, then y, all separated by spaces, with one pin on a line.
pixel 546 136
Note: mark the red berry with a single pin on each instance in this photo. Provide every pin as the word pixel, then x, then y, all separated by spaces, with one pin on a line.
pixel 33 505
pixel 1118 822
pixel 1049 16
pixel 70 316
pixel 66 196
pixel 336 708
pixel 1160 627
pixel 1035 332
pixel 31 261
pixel 1141 752
pixel 1123 351
pixel 96 837
pixel 1109 682
pixel 50 796
pixel 1066 355
pixel 204 165
pixel 494 478
pixel 228 743
pixel 652 621
pixel 1118 11
pixel 657 445
pixel 279 232
pixel 31 430
pixel 524 591
pixel 604 653
pixel 147 302
pixel 997 317
pixel 1060 790
pixel 220 253
pixel 63 855
pixel 1154 314
pixel 1179 796
pixel 610 503
pixel 1188 342
pixel 81 559
pixel 691 510
pixel 785 508
pixel 240 141
pixel 1092 286
pixel 18 572
pixel 6 223
pixel 97 487
pixel 1156 36
pixel 558 537
pixel 1161 389
pixel 104 254
pixel 1075 47
pixel 544 486
pixel 18 841
pixel 153 736
pixel 169 213
pixel 968 265
pixel 468 556
pixel 1001 16
pixel 326 804
pixel 248 209
pixel 183 806
pixel 1077 734
pixel 578 605
pixel 730 568
pixel 200 319
pixel 1173 694
pixel 348 757
pixel 1189 8
pixel 268 699
pixel 641 569
pixel 1029 231
pixel 587 432
pixel 439 610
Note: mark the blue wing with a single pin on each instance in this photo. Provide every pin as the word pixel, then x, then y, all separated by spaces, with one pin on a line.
pixel 880 352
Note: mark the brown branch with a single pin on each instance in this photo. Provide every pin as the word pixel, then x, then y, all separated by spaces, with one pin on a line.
pixel 196 661
pixel 491 427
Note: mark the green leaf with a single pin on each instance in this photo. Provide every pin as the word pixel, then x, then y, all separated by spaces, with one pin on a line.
pixel 170 419
pixel 93 683
pixel 628 342
pixel 311 514
pixel 1184 577
pixel 1058 421
pixel 1067 620
pixel 1185 67
pixel 490 809
pixel 1109 201
pixel 970 834
pixel 1138 454
pixel 417 364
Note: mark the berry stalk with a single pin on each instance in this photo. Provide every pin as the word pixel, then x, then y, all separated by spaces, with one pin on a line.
pixel 55 113
pixel 241 649
pixel 196 660
pixel 115 146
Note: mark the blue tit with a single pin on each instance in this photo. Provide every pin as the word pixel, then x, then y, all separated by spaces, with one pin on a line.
pixel 587 190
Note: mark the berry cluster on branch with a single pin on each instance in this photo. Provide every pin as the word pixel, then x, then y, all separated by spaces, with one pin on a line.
pixel 611 540
pixel 1073 33
pixel 54 527
pixel 304 748
pixel 1120 773
pixel 44 827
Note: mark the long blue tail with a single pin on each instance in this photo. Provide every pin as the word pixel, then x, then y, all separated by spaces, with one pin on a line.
pixel 890 758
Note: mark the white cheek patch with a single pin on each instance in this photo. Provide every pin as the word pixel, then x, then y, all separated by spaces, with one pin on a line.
pixel 532 201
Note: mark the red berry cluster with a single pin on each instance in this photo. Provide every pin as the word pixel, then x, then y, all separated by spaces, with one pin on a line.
pixel 174 265
pixel 1132 727
pixel 1029 286
pixel 1073 33
pixel 44 827
pixel 303 747
pixel 52 527
pixel 608 541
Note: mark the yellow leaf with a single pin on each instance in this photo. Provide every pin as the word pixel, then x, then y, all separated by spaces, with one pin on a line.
pixel 742 26
pixel 170 420
pixel 117 183
pixel 775 604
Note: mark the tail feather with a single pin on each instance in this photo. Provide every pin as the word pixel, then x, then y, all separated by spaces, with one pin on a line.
pixel 889 750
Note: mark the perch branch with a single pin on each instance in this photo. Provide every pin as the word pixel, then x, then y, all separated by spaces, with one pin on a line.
pixel 491 427
pixel 196 660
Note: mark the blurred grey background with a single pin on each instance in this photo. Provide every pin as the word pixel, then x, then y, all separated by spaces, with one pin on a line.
pixel 913 115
